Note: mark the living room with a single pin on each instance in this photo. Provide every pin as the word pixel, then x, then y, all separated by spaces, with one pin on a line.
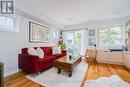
pixel 71 28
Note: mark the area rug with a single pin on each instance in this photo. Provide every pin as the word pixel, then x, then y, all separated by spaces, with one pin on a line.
pixel 50 78
pixel 113 81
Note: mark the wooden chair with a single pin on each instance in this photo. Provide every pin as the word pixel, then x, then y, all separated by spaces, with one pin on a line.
pixel 90 55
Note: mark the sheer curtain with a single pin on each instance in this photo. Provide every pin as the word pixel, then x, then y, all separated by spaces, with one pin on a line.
pixel 84 41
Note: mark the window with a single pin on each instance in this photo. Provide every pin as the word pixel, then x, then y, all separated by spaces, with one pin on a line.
pixel 7 24
pixel 116 36
pixel 103 36
pixel 55 34
pixel 70 39
pixel 110 36
pixel 73 40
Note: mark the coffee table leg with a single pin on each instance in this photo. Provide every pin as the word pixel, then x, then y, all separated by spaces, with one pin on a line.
pixel 69 74
pixel 59 71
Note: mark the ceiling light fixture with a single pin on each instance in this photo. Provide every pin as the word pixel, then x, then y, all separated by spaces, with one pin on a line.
pixel 116 13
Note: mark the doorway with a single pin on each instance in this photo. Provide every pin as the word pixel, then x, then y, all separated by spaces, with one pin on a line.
pixel 74 42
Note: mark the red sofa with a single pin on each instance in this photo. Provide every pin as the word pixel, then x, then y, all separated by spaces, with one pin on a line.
pixel 33 64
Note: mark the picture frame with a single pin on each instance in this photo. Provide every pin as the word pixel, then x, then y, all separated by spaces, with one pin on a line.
pixel 91 41
pixel 38 33
pixel 92 33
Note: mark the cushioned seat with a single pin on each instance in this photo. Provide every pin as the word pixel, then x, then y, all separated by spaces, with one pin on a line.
pixel 58 55
pixel 33 64
pixel 47 59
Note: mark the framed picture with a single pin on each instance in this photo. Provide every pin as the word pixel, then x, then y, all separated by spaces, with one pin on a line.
pixel 91 42
pixel 91 33
pixel 38 33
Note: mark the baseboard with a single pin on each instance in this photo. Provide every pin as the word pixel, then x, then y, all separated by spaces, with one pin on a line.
pixel 100 61
pixel 10 73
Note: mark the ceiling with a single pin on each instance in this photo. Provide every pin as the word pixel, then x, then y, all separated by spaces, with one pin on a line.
pixel 71 12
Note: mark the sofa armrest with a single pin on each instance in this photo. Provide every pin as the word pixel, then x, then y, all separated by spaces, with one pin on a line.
pixel 64 52
pixel 28 63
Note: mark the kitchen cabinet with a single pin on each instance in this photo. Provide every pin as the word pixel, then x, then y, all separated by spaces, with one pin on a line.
pixel 126 59
pixel 114 57
pixel 102 56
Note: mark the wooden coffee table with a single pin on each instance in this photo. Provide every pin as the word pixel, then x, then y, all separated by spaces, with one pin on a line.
pixel 66 64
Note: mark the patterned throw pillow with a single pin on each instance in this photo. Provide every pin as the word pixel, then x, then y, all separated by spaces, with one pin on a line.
pixel 32 51
pixel 56 50
pixel 40 52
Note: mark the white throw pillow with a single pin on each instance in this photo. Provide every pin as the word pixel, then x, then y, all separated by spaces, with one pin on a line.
pixel 32 51
pixel 56 50
pixel 40 52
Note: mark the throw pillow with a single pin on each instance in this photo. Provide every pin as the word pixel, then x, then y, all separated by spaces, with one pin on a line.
pixel 56 50
pixel 32 51
pixel 40 52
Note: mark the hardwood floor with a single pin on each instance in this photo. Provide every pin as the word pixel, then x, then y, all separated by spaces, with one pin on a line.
pixel 19 80
pixel 95 70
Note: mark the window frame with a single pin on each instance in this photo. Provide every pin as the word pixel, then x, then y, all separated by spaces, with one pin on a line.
pixel 99 37
pixel 56 33
pixel 72 38
pixel 109 37
pixel 15 25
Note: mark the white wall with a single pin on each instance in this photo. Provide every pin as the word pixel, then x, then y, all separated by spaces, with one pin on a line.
pixel 11 44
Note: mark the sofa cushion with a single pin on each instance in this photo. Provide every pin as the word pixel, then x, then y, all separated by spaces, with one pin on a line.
pixel 58 55
pixel 47 50
pixel 40 52
pixel 56 50
pixel 32 51
pixel 25 51
pixel 47 59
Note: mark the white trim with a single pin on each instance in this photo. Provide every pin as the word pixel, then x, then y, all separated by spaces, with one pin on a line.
pixel 109 45
pixel 16 25
pixel 101 61
pixel 10 72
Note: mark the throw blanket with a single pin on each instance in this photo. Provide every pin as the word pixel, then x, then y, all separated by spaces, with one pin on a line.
pixel 113 81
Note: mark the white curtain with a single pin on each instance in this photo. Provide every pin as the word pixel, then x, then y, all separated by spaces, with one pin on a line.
pixel 84 41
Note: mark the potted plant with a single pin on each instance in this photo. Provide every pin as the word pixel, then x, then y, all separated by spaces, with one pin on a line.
pixel 63 46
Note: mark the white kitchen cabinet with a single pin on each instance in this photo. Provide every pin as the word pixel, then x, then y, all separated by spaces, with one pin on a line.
pixel 115 57
pixel 126 59
pixel 102 56
pixel 128 48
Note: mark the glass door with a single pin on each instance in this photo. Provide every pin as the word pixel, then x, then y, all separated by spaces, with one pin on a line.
pixel 74 42
pixel 70 42
pixel 77 43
